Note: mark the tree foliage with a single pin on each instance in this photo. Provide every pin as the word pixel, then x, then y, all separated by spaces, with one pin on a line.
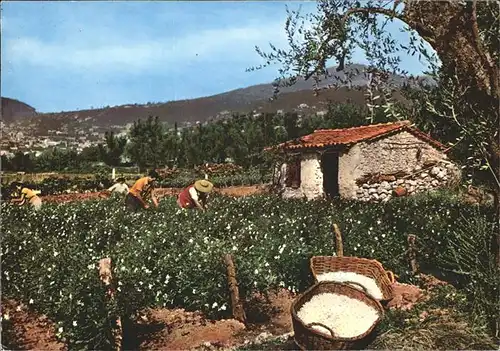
pixel 146 142
pixel 112 149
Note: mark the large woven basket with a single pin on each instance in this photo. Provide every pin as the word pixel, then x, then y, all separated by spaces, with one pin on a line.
pixel 307 338
pixel 369 268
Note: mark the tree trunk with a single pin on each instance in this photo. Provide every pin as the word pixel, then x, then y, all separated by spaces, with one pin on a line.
pixel 451 29
pixel 236 304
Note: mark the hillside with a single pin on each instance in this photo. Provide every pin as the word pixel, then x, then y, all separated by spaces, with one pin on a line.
pixel 15 110
pixel 253 98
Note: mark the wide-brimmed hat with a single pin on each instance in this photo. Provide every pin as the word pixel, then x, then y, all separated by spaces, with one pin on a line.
pixel 203 186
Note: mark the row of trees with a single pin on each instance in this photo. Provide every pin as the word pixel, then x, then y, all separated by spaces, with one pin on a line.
pixel 240 138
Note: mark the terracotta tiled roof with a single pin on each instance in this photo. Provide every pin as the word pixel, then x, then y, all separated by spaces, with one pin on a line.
pixel 330 137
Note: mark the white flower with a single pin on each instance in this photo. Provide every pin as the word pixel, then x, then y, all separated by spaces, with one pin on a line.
pixel 191 240
pixel 90 266
pixel 214 305
pixel 6 316
pixel 60 330
pixel 74 324
pixel 256 271
pixel 31 301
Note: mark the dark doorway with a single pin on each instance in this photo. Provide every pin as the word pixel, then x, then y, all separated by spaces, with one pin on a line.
pixel 330 167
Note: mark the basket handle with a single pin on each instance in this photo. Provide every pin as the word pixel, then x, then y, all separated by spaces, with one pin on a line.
pixel 391 276
pixel 321 325
pixel 356 283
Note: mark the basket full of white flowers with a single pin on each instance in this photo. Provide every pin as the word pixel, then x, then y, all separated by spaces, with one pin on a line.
pixel 366 272
pixel 332 315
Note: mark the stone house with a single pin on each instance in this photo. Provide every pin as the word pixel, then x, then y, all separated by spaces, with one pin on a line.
pixel 367 163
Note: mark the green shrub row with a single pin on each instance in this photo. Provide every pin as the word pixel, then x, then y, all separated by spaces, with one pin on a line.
pixel 169 257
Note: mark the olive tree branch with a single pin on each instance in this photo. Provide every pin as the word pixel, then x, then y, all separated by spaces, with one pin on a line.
pixel 323 55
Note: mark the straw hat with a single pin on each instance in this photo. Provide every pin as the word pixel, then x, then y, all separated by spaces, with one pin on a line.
pixel 203 186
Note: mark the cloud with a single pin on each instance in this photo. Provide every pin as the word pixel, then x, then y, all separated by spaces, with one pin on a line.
pixel 120 54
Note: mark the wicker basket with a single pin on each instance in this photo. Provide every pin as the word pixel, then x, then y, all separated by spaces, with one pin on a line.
pixel 307 338
pixel 369 268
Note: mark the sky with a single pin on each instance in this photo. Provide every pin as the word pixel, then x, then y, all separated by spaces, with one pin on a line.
pixel 63 55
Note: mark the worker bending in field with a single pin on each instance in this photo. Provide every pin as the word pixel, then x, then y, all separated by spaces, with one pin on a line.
pixel 195 195
pixel 27 196
pixel 142 189
pixel 120 187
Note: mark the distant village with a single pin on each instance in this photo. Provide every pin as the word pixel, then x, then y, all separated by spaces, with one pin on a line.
pixel 23 138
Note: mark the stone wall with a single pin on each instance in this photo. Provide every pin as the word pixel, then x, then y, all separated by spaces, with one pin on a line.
pixel 311 178
pixel 441 174
pixel 401 152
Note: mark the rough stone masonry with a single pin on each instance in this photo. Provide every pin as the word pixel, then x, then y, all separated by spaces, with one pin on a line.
pixel 442 174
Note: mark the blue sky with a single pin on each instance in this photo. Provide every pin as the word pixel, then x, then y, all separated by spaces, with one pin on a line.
pixel 60 56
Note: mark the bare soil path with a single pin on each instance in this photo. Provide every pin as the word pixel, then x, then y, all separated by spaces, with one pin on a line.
pixel 25 330
pixel 235 191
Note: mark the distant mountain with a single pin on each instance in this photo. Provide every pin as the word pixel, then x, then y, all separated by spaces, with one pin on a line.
pixel 243 100
pixel 15 110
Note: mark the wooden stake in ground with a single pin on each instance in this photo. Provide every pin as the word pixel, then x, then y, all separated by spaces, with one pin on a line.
pixel 237 306
pixel 412 253
pixel 106 277
pixel 338 241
